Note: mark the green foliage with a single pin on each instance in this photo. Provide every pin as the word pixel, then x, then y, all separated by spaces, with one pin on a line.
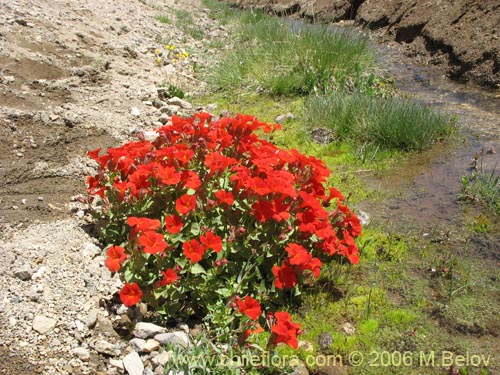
pixel 184 21
pixel 388 122
pixel 286 59
pixel 483 187
pixel 164 19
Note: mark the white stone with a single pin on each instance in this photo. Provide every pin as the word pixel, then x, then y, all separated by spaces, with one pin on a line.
pixel 118 363
pixel 162 358
pixel 179 103
pixel 43 325
pixel 104 347
pixel 145 330
pixel 81 353
pixel 135 112
pixel 133 364
pixel 137 344
pixel 174 338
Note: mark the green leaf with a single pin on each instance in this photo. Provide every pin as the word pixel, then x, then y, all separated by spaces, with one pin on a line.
pixel 195 229
pixel 197 269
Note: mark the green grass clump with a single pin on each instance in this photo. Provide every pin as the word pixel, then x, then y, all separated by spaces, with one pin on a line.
pixel 394 123
pixel 184 21
pixel 283 59
pixel 163 19
pixel 484 187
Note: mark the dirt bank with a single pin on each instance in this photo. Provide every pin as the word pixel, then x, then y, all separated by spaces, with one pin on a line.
pixel 460 37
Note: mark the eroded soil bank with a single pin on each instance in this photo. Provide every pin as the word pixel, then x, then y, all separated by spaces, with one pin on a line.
pixel 459 37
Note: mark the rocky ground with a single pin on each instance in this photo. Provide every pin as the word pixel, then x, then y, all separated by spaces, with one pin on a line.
pixel 459 37
pixel 74 76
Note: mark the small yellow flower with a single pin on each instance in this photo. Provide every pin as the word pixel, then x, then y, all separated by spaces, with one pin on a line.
pixel 158 60
pixel 185 54
pixel 174 60
pixel 157 51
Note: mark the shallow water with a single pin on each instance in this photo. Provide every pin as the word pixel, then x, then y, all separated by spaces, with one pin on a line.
pixel 430 181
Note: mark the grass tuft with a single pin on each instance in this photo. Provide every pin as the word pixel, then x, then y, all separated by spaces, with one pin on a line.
pixel 393 123
pixel 284 59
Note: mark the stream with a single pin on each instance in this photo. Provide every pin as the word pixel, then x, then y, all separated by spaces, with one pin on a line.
pixel 429 184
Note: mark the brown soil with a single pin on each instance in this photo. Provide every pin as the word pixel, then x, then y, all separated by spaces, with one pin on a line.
pixel 460 37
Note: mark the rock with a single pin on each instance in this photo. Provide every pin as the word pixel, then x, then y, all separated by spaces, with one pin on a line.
pixel 349 329
pixel 163 119
pixel 325 339
pixel 174 338
pixel 23 272
pixel 81 353
pixel 162 358
pixel 104 347
pixel 151 345
pixel 133 364
pixel 145 330
pixel 137 344
pixel 183 327
pixel 150 135
pixel 157 103
pixel 169 109
pixel 90 250
pixel 299 368
pixel 364 218
pixel 39 273
pixel 91 318
pixel 179 103
pixel 117 363
pixel 43 325
pixel 135 112
pixel 322 136
pixel 280 119
pixel 306 345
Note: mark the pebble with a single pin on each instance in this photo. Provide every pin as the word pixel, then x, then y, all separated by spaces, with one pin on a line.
pixel 118 363
pixel 43 325
pixel 179 103
pixel 144 330
pixel 162 358
pixel 23 272
pixel 135 112
pixel 174 338
pixel 81 353
pixel 104 347
pixel 133 364
pixel 151 346
pixel 137 344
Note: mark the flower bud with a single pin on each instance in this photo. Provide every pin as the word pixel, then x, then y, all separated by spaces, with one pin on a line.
pixel 242 230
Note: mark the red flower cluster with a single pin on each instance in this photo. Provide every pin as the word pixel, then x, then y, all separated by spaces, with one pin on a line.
pixel 210 194
pixel 284 330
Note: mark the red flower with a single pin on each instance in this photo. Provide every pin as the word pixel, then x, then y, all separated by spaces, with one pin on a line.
pixel 173 224
pixel 286 278
pixel 167 175
pixel 224 196
pixel 116 256
pixel 211 241
pixel 152 242
pixel 191 180
pixel 193 250
pixel 217 162
pixel 284 330
pixel 250 307
pixel 169 277
pixel 185 204
pixel 298 255
pixel 142 224
pixel 130 294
